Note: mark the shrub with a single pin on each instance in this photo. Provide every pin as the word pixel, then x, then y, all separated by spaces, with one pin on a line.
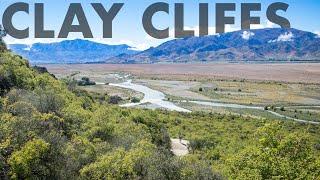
pixel 135 100
pixel 275 155
pixel 30 162
pixel 114 99
pixel 85 81
pixel 201 143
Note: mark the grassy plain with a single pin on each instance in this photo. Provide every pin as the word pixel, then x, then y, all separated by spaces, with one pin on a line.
pixel 295 87
pixel 299 73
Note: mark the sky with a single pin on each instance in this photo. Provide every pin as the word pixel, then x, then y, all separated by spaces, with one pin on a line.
pixel 128 28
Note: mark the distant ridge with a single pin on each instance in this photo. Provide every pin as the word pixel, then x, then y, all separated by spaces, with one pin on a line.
pixel 274 44
pixel 70 51
pixel 262 45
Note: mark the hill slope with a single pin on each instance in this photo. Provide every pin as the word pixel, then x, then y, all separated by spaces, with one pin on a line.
pixel 256 45
pixel 71 51
pixel 50 129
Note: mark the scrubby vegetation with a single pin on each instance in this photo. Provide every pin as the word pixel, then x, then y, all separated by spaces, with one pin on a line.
pixel 115 99
pixel 49 129
pixel 85 81
pixel 135 100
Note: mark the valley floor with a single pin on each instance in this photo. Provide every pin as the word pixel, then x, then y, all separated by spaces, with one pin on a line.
pixel 297 73
pixel 280 91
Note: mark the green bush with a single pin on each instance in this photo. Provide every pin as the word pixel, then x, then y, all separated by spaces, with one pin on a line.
pixel 115 99
pixel 85 81
pixel 275 155
pixel 135 100
pixel 31 161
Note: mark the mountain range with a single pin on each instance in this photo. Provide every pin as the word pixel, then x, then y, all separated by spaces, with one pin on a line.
pixel 273 44
pixel 70 51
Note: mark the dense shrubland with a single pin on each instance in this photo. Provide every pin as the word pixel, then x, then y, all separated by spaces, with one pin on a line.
pixel 49 129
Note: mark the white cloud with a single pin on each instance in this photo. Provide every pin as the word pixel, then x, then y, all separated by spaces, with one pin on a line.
pixel 288 36
pixel 247 34
pixel 28 48
pixel 257 26
pixel 317 33
pixel 29 41
pixel 270 24
pixel 267 24
pixel 111 41
pixel 211 31
pixel 140 47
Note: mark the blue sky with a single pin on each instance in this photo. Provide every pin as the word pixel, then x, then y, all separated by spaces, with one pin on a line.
pixel 127 26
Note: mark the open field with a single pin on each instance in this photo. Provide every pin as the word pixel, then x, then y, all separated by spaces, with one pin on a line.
pixel 295 87
pixel 240 92
pixel 299 73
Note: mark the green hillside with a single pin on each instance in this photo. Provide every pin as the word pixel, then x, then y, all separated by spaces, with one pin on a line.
pixel 49 129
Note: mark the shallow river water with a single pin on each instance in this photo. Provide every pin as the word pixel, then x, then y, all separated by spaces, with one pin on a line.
pixel 158 98
pixel 150 96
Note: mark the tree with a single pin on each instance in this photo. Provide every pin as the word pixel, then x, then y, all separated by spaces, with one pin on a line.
pixel 85 81
pixel 135 100
pixel 119 164
pixel 3 33
pixel 276 155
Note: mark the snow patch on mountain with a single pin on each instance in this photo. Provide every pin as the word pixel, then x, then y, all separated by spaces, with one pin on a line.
pixel 247 34
pixel 286 37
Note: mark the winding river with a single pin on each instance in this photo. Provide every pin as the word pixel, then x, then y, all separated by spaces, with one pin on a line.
pixel 150 96
pixel 158 98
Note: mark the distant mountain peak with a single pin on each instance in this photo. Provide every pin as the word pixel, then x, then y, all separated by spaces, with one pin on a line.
pixel 274 44
pixel 270 44
pixel 70 51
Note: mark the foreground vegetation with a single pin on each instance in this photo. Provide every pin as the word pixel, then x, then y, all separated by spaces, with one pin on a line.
pixel 49 129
